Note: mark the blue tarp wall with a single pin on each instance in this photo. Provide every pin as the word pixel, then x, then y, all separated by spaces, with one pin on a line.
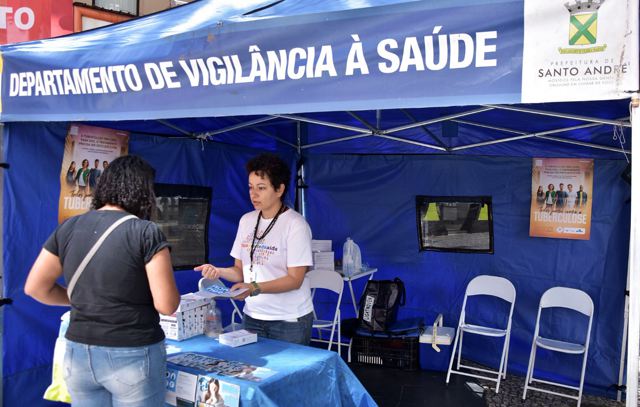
pixel 368 197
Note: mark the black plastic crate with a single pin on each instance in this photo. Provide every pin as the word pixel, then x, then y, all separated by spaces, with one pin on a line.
pixel 401 352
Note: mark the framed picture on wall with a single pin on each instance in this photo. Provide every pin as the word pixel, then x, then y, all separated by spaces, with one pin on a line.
pixel 183 216
pixel 455 223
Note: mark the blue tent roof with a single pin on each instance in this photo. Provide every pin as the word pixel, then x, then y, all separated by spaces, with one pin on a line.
pixel 208 40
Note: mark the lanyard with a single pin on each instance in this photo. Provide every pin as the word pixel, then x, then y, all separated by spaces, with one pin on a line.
pixel 256 239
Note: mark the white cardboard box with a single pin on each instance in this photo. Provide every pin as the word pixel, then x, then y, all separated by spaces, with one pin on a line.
pixel 188 320
pixel 444 335
pixel 238 338
pixel 320 245
pixel 323 261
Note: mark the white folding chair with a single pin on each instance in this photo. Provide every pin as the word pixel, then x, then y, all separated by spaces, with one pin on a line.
pixel 491 286
pixel 332 281
pixel 204 283
pixel 569 298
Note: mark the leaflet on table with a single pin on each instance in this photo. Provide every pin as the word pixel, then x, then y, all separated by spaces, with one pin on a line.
pixel 212 392
pixel 215 291
pixel 180 387
pixel 190 390
pixel 221 367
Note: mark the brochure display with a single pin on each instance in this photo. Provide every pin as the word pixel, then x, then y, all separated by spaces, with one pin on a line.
pixel 269 373
pixel 221 367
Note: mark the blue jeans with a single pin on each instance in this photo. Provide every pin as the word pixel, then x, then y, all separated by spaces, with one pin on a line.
pixel 294 332
pixel 115 376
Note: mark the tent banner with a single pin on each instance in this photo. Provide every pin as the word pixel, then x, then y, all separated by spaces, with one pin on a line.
pixel 428 54
pixel 88 150
pixel 579 50
pixel 562 193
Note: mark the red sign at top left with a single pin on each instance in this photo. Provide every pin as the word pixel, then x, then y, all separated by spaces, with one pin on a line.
pixel 27 20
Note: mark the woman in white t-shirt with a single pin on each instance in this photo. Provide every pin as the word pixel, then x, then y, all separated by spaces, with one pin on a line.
pixel 272 253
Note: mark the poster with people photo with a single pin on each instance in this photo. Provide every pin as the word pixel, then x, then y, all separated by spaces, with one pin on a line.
pixel 213 392
pixel 561 198
pixel 88 150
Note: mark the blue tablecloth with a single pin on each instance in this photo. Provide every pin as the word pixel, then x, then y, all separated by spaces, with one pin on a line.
pixel 305 376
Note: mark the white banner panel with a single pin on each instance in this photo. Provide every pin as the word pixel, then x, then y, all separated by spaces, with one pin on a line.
pixel 579 50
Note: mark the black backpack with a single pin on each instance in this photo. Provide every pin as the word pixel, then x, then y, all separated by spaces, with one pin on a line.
pixel 379 304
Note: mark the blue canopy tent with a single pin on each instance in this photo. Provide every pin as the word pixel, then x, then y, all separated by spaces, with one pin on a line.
pixel 378 102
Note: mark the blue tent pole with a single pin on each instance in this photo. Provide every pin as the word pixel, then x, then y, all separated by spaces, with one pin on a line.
pixel 634 262
pixel 1 258
pixel 300 185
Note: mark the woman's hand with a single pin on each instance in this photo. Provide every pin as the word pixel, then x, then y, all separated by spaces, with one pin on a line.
pixel 243 294
pixel 233 273
pixel 209 271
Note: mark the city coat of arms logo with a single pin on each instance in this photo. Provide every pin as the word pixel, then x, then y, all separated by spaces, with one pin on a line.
pixel 583 27
pixel 583 21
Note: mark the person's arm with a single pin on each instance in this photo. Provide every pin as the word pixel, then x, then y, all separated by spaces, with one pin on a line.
pixel 41 282
pixel 232 274
pixel 292 281
pixel 166 297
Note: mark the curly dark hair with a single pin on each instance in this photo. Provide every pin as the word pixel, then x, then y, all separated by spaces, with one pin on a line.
pixel 128 183
pixel 267 165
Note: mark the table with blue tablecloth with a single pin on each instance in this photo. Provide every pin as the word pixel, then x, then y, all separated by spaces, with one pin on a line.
pixel 303 375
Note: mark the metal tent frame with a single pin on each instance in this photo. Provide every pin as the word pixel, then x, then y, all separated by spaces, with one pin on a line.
pixel 370 130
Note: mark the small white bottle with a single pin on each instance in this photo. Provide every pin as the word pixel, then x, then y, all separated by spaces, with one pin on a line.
pixel 213 321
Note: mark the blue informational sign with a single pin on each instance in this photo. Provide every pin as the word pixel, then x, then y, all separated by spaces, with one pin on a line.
pixel 404 55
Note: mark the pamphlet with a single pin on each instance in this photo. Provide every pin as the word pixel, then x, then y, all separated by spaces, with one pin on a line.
pixel 217 290
pixel 212 392
pixel 180 387
pixel 221 367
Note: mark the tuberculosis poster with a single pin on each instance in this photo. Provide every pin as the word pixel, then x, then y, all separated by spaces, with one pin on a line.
pixel 561 198
pixel 88 151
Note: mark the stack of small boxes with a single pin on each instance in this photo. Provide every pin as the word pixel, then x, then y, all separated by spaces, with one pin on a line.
pixel 188 320
pixel 323 256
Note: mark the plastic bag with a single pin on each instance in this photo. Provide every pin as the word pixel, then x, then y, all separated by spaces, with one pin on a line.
pixel 57 390
pixel 351 258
